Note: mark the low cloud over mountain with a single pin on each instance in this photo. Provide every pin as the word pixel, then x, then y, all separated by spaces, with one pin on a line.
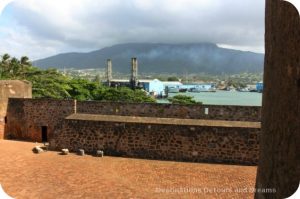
pixel 162 58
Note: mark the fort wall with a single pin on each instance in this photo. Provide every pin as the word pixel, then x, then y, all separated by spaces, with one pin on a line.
pixel 11 89
pixel 184 140
pixel 26 117
pixel 227 134
pixel 213 112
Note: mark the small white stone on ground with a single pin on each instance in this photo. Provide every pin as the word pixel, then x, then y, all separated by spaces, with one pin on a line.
pixel 65 151
pixel 37 149
pixel 99 153
pixel 81 152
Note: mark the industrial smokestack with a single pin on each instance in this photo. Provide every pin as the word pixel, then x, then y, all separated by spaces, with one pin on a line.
pixel 108 71
pixel 134 72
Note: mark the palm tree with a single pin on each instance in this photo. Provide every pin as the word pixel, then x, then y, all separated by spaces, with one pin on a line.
pixel 14 67
pixel 4 64
pixel 5 58
pixel 25 61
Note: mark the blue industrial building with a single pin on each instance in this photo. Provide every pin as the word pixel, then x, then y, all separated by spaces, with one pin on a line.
pixel 260 87
pixel 155 87
pixel 199 87
pixel 172 86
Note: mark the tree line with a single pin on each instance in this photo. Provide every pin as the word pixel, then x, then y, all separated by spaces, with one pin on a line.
pixel 51 83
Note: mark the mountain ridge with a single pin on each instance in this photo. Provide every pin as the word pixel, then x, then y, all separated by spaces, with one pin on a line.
pixel 161 58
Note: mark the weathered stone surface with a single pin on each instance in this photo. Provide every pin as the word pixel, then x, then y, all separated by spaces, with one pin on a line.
pixel 216 112
pixel 2 127
pixel 279 166
pixel 11 89
pixel 158 120
pixel 157 138
pixel 27 116
pixel 161 141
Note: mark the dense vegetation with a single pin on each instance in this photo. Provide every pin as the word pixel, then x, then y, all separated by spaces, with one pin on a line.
pixel 51 83
pixel 183 99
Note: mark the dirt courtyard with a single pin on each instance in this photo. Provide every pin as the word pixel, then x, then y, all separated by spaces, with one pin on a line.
pixel 24 174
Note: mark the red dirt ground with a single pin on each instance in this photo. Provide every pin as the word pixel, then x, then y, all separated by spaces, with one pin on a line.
pixel 24 174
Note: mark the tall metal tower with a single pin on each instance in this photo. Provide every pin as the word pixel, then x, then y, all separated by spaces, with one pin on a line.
pixel 108 71
pixel 134 73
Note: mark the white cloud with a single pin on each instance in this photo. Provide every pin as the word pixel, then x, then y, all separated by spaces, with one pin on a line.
pixel 3 4
pixel 41 28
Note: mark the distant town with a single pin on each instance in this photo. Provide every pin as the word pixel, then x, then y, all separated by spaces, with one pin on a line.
pixel 160 85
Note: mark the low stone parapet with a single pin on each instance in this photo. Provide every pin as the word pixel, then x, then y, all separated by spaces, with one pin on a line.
pixel 161 138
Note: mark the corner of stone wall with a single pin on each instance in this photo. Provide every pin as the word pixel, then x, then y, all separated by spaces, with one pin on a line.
pixel 2 130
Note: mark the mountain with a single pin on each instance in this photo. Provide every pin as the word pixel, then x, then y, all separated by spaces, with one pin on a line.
pixel 162 58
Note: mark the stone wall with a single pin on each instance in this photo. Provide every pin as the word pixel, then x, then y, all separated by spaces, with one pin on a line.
pixel 2 124
pixel 232 113
pixel 185 142
pixel 25 117
pixel 16 126
pixel 166 133
pixel 11 89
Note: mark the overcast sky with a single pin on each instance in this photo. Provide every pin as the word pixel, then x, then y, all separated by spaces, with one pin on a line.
pixel 41 28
